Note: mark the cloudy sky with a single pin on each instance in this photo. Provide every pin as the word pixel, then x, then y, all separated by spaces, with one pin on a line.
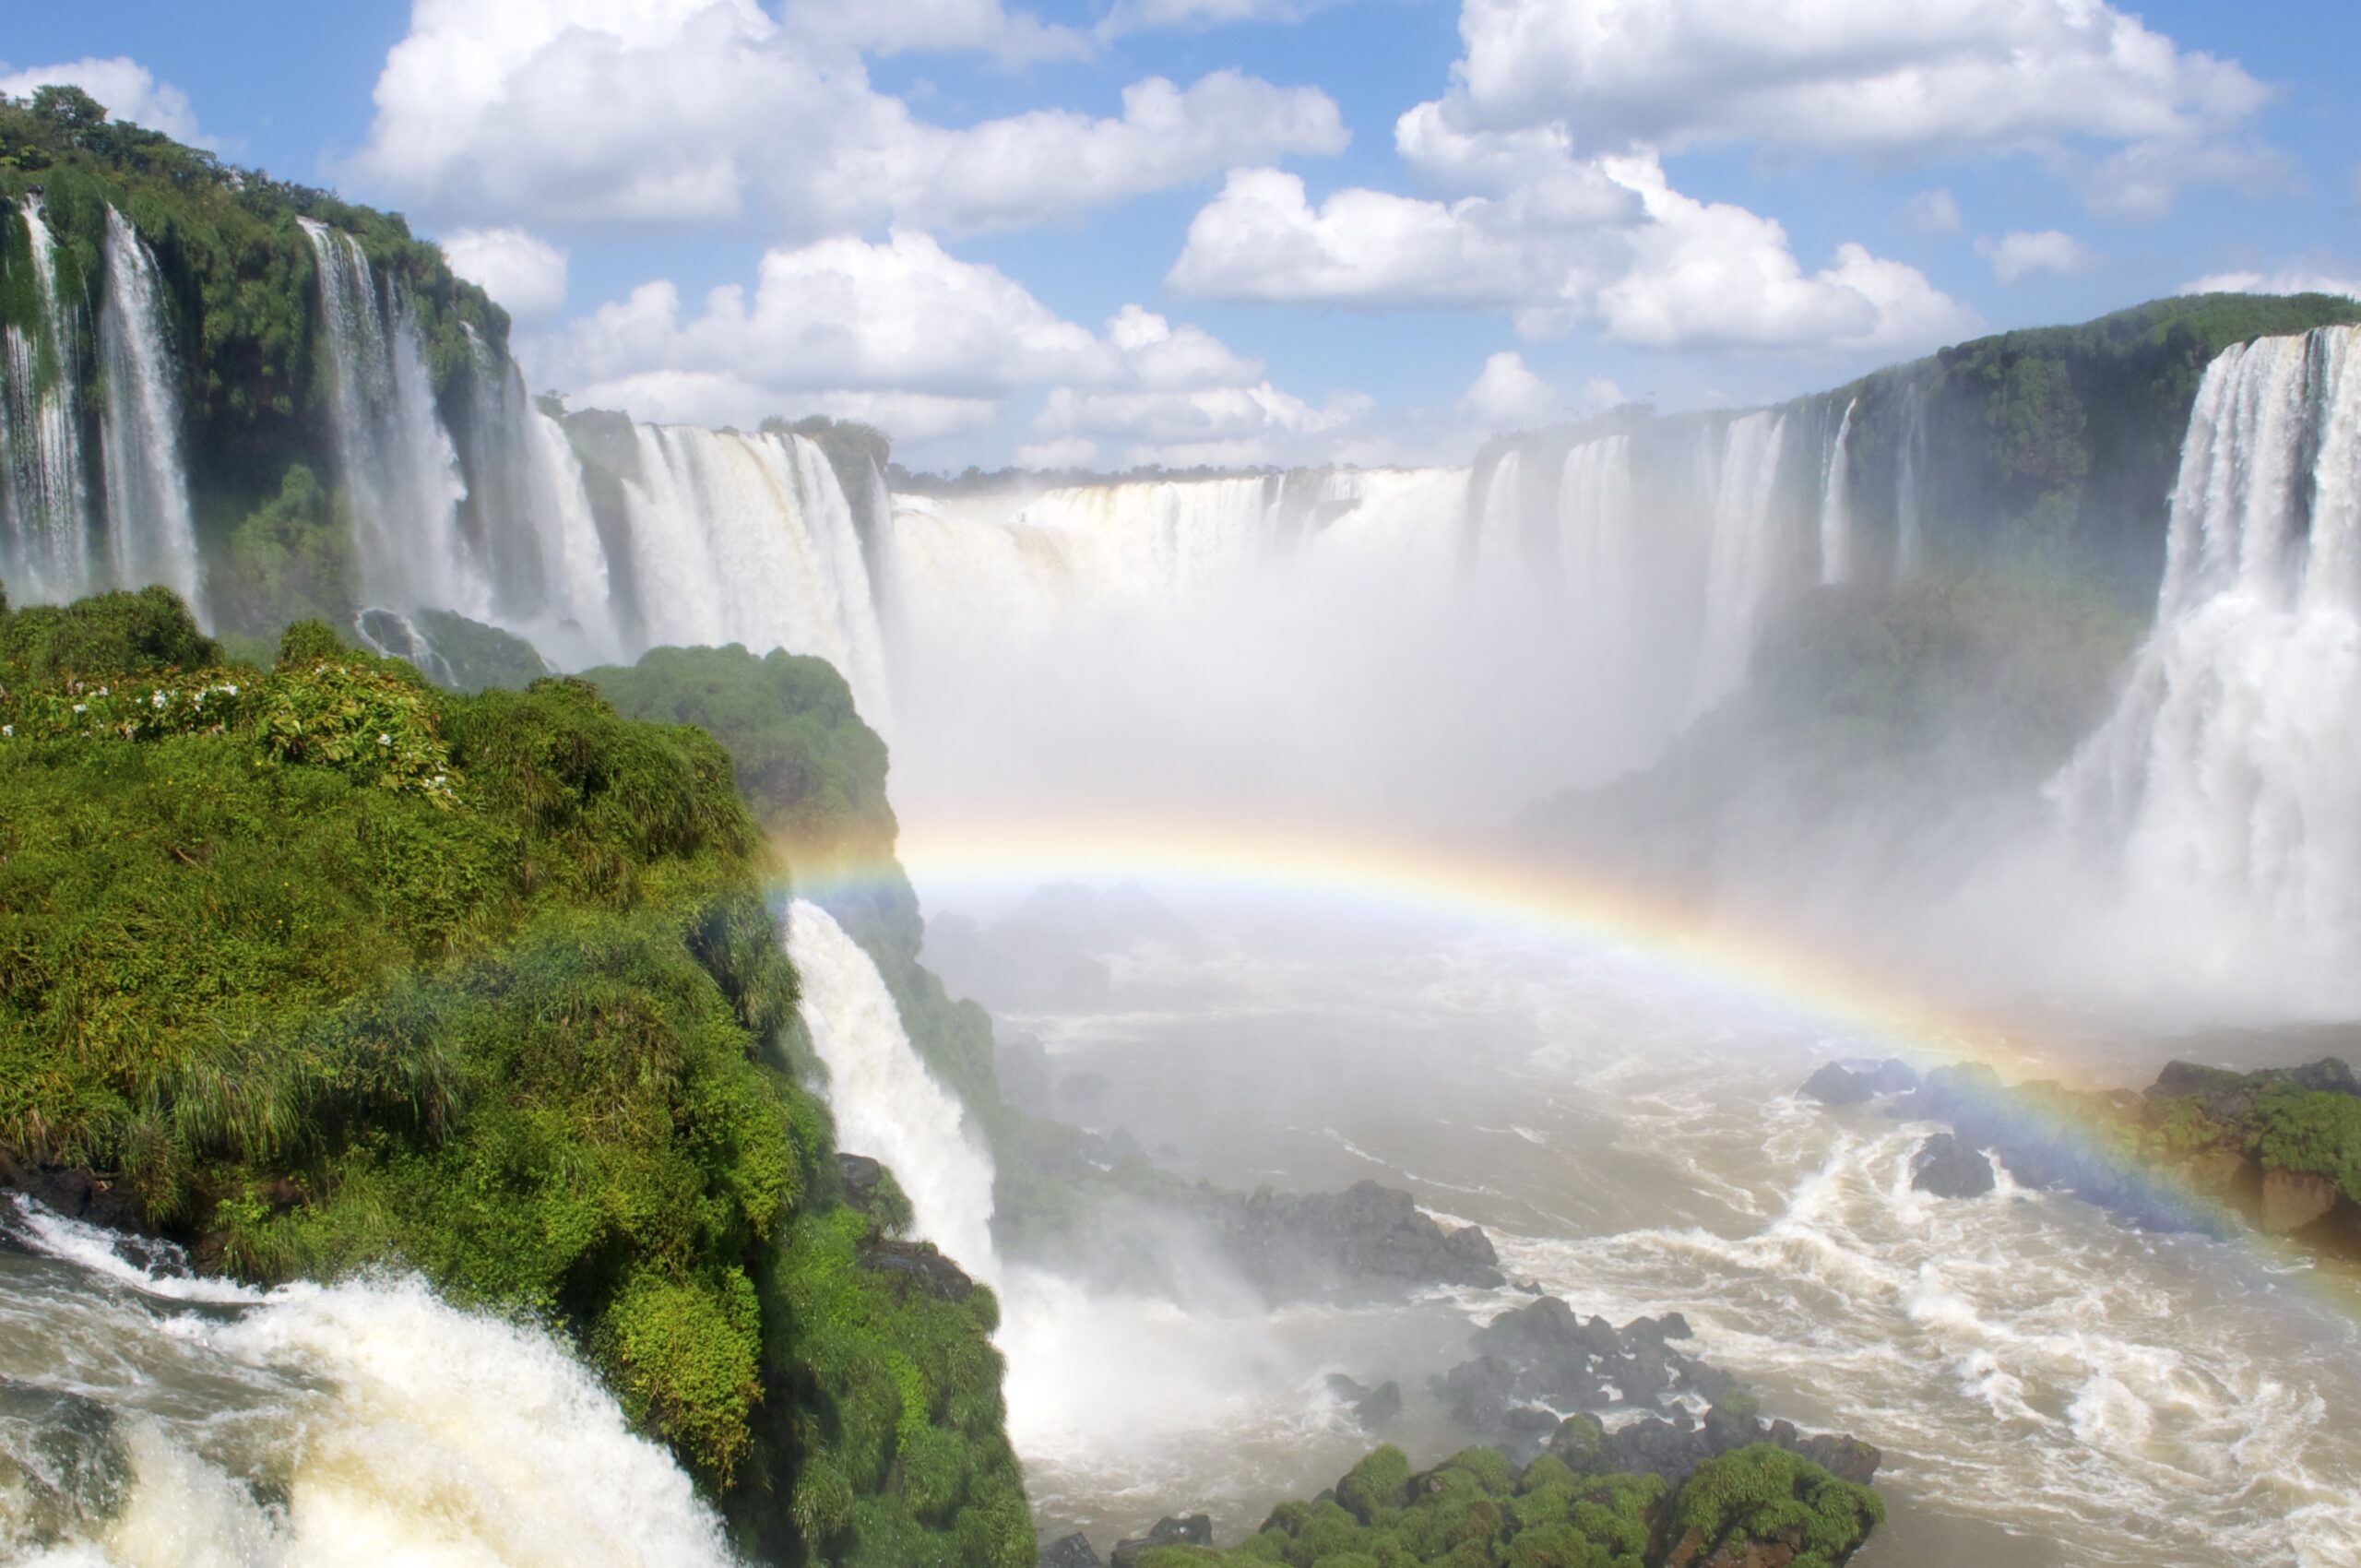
pixel 1117 232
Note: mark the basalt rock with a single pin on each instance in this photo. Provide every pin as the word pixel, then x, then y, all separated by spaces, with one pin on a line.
pixel 1673 1447
pixel 1949 1169
pixel 2291 1200
pixel 917 1265
pixel 1070 1552
pixel 1371 1407
pixel 1850 1083
pixel 1545 1354
pixel 1195 1529
pixel 1365 1241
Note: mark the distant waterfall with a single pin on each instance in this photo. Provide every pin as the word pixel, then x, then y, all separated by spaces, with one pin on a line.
pixel 1835 506
pixel 402 473
pixel 1744 556
pixel 151 534
pixel 1500 531
pixel 2227 774
pixel 887 1104
pixel 44 494
pixel 748 538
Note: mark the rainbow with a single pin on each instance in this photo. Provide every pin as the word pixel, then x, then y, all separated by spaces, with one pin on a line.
pixel 1485 883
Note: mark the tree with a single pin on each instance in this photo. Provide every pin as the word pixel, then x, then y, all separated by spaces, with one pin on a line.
pixel 68 108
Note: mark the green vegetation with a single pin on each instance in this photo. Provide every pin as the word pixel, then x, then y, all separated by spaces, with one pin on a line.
pixel 2310 1133
pixel 477 657
pixel 327 968
pixel 1474 1510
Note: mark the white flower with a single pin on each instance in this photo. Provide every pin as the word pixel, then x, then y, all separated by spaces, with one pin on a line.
pixel 81 708
pixel 7 730
pixel 232 690
pixel 160 699
pixel 384 740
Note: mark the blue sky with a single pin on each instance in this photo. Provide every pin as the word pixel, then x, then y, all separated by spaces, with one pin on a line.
pixel 1205 231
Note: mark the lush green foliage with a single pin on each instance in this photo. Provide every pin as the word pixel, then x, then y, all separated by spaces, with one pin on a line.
pixel 1474 1510
pixel 476 656
pixel 342 970
pixel 2310 1133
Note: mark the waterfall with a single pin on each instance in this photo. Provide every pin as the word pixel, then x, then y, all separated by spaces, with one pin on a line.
pixel 1835 506
pixel 1499 530
pixel 1598 547
pixel 573 558
pixel 45 494
pixel 748 538
pixel 1743 556
pixel 402 475
pixel 147 1416
pixel 886 1104
pixel 151 534
pixel 2224 779
pixel 1907 524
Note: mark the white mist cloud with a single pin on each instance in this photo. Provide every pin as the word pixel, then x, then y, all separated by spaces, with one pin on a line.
pixel 897 26
pixel 523 272
pixel 128 88
pixel 2018 255
pixel 689 111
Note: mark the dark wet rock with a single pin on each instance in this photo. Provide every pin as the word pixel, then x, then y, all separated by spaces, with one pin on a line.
pixel 1893 1075
pixel 1835 1084
pixel 1950 1169
pixel 862 1177
pixel 1070 1552
pixel 1365 1241
pixel 1671 1448
pixel 1846 1459
pixel 1371 1407
pixel 2293 1200
pixel 917 1265
pixel 77 1193
pixel 1478 1393
pixel 1195 1529
pixel 1552 1356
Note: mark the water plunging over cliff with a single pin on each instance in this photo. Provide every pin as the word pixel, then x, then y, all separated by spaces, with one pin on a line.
pixel 887 1104
pixel 1744 561
pixel 401 472
pixel 150 533
pixel 45 490
pixel 748 538
pixel 147 1416
pixel 2226 778
pixel 1836 506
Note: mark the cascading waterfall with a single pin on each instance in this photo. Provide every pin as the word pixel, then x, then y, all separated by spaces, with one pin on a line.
pixel 748 538
pixel 151 534
pixel 401 474
pixel 1500 531
pixel 2224 778
pixel 44 494
pixel 1908 518
pixel 1835 506
pixel 1743 558
pixel 887 1104
pixel 149 1417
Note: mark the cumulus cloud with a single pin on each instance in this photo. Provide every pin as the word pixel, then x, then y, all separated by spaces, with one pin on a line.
pixel 2017 256
pixel 2287 281
pixel 1142 16
pixel 1934 212
pixel 1506 395
pixel 899 26
pixel 525 273
pixel 128 88
pixel 903 335
pixel 703 110
pixel 1567 240
pixel 1935 79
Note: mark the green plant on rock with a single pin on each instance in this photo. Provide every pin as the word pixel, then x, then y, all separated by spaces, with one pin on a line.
pixel 1766 1493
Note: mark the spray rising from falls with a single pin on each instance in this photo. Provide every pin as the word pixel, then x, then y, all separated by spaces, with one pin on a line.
pixel 886 1104
pixel 2225 778
pixel 44 492
pixel 150 1419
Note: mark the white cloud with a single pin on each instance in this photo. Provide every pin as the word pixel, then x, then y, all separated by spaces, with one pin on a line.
pixel 1605 240
pixel 128 88
pixel 2018 255
pixel 897 26
pixel 1934 80
pixel 1506 395
pixel 1073 452
pixel 1934 212
pixel 523 272
pixel 906 335
pixel 1142 16
pixel 700 110
pixel 2288 280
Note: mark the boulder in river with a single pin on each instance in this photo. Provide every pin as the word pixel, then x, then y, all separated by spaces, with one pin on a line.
pixel 1070 1552
pixel 1194 1530
pixel 1950 1169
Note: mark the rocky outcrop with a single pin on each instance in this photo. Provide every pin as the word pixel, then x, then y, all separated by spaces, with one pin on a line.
pixel 1950 1169
pixel 1363 1241
pixel 1194 1530
pixel 1536 1361
pixel 1852 1082
pixel 1674 1447
pixel 1070 1552
pixel 917 1265
pixel 2293 1201
pixel 1371 1409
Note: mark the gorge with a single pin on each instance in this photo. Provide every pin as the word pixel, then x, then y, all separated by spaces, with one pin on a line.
pixel 545 995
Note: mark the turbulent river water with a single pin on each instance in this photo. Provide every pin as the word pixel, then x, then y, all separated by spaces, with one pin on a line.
pixel 2048 1387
